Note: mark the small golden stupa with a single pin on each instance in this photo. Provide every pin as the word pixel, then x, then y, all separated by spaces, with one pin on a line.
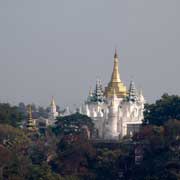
pixel 31 126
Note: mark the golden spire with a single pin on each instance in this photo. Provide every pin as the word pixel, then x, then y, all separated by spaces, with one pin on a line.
pixel 115 75
pixel 30 122
pixel 115 85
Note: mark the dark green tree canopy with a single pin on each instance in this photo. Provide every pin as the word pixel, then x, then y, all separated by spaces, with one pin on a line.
pixel 164 109
pixel 64 152
pixel 74 124
pixel 10 115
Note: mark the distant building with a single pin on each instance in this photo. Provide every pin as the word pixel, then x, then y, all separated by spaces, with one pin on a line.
pixel 42 123
pixel 53 110
pixel 116 111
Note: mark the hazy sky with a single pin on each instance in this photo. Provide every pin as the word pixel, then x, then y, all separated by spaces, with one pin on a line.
pixel 60 47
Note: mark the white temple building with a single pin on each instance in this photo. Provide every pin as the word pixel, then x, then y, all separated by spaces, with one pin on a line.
pixel 53 110
pixel 42 122
pixel 116 111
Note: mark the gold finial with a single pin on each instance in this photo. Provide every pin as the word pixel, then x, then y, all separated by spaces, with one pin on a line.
pixel 115 54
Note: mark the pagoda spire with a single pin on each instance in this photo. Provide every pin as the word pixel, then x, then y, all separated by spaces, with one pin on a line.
pixel 115 82
pixel 115 75
pixel 53 112
pixel 30 123
pixel 53 102
pixel 98 93
pixel 132 92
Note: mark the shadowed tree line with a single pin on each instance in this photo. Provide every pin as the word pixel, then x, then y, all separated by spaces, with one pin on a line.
pixel 164 109
pixel 64 152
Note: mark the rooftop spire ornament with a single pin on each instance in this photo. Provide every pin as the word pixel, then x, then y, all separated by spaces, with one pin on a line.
pixel 132 92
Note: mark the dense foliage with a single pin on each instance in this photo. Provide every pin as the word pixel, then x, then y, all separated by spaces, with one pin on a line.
pixel 164 109
pixel 65 152
pixel 10 115
pixel 161 149
pixel 74 124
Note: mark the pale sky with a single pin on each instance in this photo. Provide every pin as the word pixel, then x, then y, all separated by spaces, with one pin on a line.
pixel 60 47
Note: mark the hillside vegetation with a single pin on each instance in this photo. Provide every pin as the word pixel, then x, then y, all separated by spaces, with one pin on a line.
pixel 66 151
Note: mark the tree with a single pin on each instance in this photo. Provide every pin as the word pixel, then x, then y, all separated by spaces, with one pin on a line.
pixel 10 115
pixel 74 125
pixel 74 157
pixel 172 130
pixel 109 164
pixel 13 138
pixel 161 152
pixel 74 151
pixel 43 172
pixel 22 107
pixel 5 157
pixel 168 107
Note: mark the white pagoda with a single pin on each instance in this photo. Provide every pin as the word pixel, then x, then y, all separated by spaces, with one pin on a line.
pixel 116 111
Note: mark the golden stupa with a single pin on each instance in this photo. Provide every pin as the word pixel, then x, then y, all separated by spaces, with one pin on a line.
pixel 31 126
pixel 116 85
